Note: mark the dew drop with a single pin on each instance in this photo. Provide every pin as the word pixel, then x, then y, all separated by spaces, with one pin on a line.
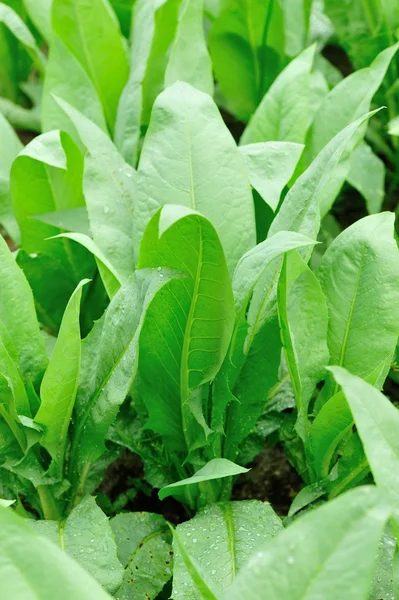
pixel 106 210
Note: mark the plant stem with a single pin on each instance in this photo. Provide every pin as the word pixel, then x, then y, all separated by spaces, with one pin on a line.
pixel 49 506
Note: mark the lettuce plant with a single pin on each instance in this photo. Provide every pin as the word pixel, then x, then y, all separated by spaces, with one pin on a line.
pixel 175 284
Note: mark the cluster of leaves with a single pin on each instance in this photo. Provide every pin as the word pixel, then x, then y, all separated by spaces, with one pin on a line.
pixel 183 293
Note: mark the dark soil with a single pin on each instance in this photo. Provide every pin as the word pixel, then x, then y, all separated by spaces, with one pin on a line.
pixel 270 479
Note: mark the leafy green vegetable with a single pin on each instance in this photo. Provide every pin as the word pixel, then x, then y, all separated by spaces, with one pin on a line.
pixel 282 115
pixel 376 419
pixel 189 60
pixel 33 566
pixel 359 275
pixel 282 569
pixel 189 158
pixel 221 538
pixel 59 384
pixel 145 551
pixel 87 537
pixel 246 43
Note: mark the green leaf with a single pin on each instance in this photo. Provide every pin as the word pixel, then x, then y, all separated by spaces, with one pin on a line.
pixel 359 275
pixel 60 382
pixel 341 537
pixel 200 579
pixel 190 158
pixel 17 312
pixel 303 319
pixel 270 166
pixel 383 588
pixel 90 31
pixel 153 30
pixel 17 27
pixel 194 314
pixel 123 10
pixel 377 421
pixel 346 102
pixel 283 113
pixel 189 60
pixel 251 367
pixel 9 148
pixel 296 25
pixel 144 549
pixel 33 567
pixel 214 469
pixel 86 535
pixel 367 176
pixel 70 219
pixel 253 264
pixel 46 177
pixel 109 362
pixel 247 48
pixel 111 279
pixel 39 12
pixel 333 422
pixel 77 89
pixel 109 186
pixel 302 205
pixel 221 538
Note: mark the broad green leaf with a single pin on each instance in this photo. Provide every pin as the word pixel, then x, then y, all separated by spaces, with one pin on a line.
pixel 46 177
pixel 377 421
pixel 77 89
pixel 187 326
pixel 303 319
pixel 283 113
pixel 109 357
pixel 60 382
pixel 39 12
pixel 153 30
pixel 33 567
pixel 270 167
pixel 189 60
pixel 17 312
pixel 199 578
pixel 221 538
pixel 190 158
pixel 296 25
pixel 9 148
pixel 145 551
pixel 215 469
pixel 91 32
pixel 87 537
pixel 17 27
pixel 253 264
pixel 251 367
pixel 341 538
pixel 302 205
pixel 333 422
pixel 367 176
pixel 109 186
pixel 247 48
pixel 359 275
pixel 346 102
pixel 70 219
